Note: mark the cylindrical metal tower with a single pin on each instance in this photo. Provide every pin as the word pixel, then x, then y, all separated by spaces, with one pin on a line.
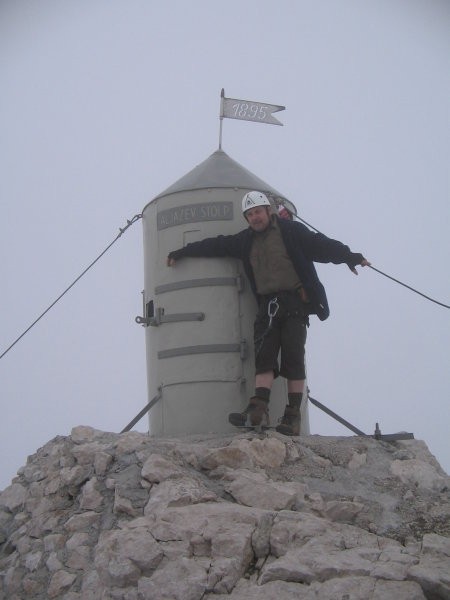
pixel 199 314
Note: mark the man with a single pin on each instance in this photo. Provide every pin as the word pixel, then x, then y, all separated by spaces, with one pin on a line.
pixel 277 256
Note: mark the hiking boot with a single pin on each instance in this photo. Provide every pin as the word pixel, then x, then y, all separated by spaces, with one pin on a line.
pixel 290 422
pixel 253 415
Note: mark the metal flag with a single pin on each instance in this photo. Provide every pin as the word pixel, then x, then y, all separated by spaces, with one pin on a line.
pixel 248 110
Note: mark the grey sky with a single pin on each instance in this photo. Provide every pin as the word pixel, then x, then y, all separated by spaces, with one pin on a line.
pixel 104 104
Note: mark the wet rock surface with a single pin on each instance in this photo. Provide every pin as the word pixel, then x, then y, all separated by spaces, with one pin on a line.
pixel 98 515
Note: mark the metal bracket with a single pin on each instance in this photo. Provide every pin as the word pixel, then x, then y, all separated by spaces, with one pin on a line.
pixel 144 411
pixel 391 437
pixel 199 349
pixel 160 317
pixel 387 437
pixel 156 317
pixel 237 281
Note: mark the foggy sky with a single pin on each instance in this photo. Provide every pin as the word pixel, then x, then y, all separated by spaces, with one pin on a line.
pixel 104 104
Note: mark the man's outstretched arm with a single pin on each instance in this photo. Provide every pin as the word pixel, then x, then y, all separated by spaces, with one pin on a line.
pixel 321 248
pixel 215 247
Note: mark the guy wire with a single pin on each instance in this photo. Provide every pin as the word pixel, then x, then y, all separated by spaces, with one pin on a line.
pixel 381 272
pixel 121 231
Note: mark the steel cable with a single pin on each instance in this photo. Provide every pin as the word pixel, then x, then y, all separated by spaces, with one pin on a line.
pixel 381 272
pixel 121 231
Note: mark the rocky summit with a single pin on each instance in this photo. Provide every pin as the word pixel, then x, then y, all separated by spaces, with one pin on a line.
pixel 103 516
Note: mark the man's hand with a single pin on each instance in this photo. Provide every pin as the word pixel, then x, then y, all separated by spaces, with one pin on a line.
pixel 363 263
pixel 170 262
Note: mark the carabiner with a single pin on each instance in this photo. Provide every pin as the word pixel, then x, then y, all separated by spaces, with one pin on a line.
pixel 272 307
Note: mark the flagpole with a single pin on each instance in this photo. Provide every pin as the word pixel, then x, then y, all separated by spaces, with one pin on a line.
pixel 222 94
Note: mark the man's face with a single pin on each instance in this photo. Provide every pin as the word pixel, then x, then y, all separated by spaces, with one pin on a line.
pixel 258 218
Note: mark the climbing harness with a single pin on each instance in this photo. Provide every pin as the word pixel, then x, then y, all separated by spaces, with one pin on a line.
pixel 273 307
pixel 121 231
pixel 272 310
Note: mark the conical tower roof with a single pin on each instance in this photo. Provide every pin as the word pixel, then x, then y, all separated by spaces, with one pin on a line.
pixel 219 171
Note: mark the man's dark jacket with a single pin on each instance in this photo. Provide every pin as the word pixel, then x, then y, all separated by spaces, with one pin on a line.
pixel 303 247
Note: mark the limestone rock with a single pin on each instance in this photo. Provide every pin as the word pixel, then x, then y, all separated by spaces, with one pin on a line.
pixel 91 498
pixel 157 468
pixel 419 473
pixel 184 578
pixel 255 489
pixel 181 492
pixel 13 496
pixel 433 569
pixel 123 556
pixel 60 581
pixel 103 516
pixel 244 453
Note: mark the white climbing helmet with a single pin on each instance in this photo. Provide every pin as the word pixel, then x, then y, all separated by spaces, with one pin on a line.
pixel 252 199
